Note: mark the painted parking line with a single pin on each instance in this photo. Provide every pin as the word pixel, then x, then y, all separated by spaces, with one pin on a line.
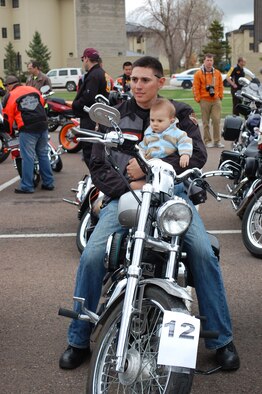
pixel 9 183
pixel 63 235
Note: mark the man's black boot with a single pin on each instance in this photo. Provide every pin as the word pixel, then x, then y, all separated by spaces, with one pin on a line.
pixel 73 357
pixel 227 357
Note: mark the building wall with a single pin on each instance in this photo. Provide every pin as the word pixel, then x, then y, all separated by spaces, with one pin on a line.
pixel 66 28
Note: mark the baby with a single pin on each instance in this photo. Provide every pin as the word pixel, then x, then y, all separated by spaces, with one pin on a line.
pixel 162 138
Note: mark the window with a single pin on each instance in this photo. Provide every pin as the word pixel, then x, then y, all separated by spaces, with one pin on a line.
pixel 73 71
pixel 17 32
pixel 15 3
pixel 251 47
pixel 4 32
pixel 2 3
pixel 62 72
pixel 52 73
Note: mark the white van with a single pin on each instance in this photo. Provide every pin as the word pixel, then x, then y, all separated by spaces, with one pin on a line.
pixel 65 77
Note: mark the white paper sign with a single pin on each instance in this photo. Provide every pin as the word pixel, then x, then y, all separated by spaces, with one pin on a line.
pixel 179 340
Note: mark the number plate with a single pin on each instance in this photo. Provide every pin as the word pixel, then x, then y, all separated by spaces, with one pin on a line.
pixel 179 340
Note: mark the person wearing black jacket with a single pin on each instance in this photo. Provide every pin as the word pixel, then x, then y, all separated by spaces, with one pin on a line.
pixel 146 80
pixel 96 81
pixel 233 76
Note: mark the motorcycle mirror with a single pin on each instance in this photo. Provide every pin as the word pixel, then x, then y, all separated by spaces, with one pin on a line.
pixel 104 115
pixel 44 89
pixel 243 81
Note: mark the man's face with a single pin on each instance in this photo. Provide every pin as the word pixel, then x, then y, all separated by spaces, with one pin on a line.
pixel 127 70
pixel 208 63
pixel 32 70
pixel 242 63
pixel 145 86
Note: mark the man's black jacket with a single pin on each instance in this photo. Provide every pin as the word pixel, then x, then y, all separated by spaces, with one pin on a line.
pixel 95 82
pixel 135 120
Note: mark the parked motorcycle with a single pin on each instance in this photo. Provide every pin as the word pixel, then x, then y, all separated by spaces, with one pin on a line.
pixel 141 298
pixel 88 200
pixel 57 110
pixel 53 154
pixel 245 164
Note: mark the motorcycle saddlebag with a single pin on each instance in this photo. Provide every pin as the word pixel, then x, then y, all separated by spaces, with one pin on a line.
pixel 232 126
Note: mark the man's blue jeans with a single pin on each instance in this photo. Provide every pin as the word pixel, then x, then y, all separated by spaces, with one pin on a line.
pixel 32 144
pixel 203 264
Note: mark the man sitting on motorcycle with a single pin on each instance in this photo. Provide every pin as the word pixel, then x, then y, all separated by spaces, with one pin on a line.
pixel 146 80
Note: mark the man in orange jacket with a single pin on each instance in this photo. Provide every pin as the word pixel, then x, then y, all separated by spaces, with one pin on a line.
pixel 24 105
pixel 208 92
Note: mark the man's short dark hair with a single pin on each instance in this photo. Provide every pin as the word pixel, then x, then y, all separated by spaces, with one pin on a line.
pixel 150 62
pixel 35 64
pixel 127 64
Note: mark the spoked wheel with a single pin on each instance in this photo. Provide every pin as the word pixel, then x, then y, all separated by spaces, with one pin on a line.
pixel 4 151
pixel 55 159
pixel 142 373
pixel 67 140
pixel 252 225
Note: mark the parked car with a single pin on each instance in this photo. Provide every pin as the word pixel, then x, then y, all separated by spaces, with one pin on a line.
pixel 185 78
pixel 65 77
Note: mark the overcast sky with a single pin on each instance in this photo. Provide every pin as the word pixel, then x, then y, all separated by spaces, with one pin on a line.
pixel 236 12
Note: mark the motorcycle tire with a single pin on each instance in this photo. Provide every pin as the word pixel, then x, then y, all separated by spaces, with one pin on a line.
pixel 18 162
pixel 4 153
pixel 83 231
pixel 252 225
pixel 52 127
pixel 142 374
pixel 58 165
pixel 69 145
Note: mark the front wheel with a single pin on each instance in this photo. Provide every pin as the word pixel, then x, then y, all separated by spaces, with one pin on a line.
pixel 252 225
pixel 142 373
pixel 83 232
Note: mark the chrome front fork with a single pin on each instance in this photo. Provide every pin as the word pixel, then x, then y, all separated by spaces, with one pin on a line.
pixel 133 276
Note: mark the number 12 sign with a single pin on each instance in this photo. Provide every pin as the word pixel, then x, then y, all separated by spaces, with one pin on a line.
pixel 179 340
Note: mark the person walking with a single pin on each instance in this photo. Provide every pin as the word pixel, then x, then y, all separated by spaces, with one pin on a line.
pixel 95 81
pixel 36 79
pixel 232 78
pixel 208 92
pixel 124 79
pixel 25 106
pixel 146 80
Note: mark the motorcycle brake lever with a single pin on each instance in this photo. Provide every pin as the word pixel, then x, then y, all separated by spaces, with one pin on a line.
pixel 205 185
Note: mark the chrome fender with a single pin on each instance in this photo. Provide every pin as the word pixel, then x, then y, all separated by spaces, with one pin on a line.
pixel 256 185
pixel 169 287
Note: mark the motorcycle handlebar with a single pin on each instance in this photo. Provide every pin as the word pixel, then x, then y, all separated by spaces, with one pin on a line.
pixel 251 97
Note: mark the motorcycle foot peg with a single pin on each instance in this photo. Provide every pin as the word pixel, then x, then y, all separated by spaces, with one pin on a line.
pixel 68 313
pixel 209 334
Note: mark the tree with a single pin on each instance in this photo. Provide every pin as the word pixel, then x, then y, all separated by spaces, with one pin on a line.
pixel 217 45
pixel 11 66
pixel 39 52
pixel 180 26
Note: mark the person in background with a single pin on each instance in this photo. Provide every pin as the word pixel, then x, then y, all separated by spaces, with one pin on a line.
pixel 232 78
pixel 24 105
pixel 36 79
pixel 95 81
pixel 124 79
pixel 208 92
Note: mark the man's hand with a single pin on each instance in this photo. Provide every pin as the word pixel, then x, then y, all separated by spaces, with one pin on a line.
pixel 133 170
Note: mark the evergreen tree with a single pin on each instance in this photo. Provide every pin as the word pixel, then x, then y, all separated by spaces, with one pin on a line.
pixel 10 60
pixel 217 45
pixel 39 52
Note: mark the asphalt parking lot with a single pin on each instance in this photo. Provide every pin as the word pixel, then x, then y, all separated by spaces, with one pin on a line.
pixel 39 259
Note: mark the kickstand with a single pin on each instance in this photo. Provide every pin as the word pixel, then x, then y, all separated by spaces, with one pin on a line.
pixel 208 372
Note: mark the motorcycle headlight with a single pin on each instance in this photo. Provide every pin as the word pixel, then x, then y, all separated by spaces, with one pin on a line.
pixel 174 217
